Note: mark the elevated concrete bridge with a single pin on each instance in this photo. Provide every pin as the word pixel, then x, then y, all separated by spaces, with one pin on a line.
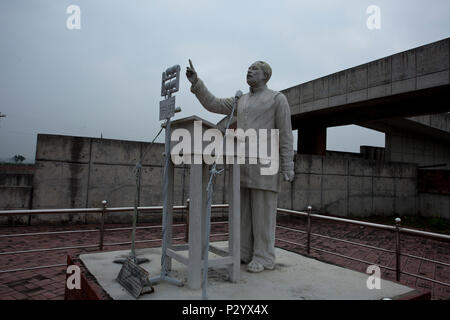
pixel 406 96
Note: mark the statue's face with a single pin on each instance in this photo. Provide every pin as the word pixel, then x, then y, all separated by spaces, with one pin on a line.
pixel 255 75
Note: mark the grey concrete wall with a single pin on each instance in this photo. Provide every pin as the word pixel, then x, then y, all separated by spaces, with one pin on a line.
pixel 420 68
pixel 440 121
pixel 15 197
pixel 351 187
pixel 15 191
pixel 366 152
pixel 434 205
pixel 373 153
pixel 73 172
pixel 76 172
pixel 419 149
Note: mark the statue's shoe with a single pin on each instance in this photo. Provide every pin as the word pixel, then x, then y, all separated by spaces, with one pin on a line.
pixel 271 267
pixel 255 267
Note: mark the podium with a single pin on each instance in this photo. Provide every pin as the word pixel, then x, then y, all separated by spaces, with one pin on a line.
pixel 198 181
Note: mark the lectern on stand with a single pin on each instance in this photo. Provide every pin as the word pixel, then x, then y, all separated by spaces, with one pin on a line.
pixel 198 181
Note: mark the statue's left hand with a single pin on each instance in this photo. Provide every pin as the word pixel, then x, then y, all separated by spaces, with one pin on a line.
pixel 289 175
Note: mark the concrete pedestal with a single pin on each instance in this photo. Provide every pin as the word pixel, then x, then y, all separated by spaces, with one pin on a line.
pixel 295 278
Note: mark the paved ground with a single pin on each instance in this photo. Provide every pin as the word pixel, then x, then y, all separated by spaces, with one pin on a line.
pixel 49 283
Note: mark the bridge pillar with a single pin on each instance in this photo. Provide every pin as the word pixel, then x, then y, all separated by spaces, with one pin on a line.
pixel 312 140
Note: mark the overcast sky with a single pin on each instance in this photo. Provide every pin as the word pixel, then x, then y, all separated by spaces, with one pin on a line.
pixel 105 77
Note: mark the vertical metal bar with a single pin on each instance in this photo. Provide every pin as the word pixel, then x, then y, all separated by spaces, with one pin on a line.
pixel 137 200
pixel 183 183
pixel 102 224
pixel 133 231
pixel 397 248
pixel 234 222
pixel 166 261
pixel 308 234
pixel 186 238
pixel 139 179
pixel 166 229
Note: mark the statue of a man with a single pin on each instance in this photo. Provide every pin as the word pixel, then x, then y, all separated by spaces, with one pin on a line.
pixel 261 108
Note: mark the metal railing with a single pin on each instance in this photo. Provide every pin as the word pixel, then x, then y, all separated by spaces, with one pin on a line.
pixel 396 229
pixel 104 210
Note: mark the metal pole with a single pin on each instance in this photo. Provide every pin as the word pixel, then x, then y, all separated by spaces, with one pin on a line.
pixel 397 248
pixel 164 273
pixel 187 220
pixel 102 223
pixel 208 230
pixel 139 190
pixel 135 213
pixel 134 223
pixel 308 234
pixel 165 199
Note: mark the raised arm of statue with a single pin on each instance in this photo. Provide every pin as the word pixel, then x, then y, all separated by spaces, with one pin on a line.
pixel 206 98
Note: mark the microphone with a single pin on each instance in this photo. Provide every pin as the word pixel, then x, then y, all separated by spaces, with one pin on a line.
pixel 237 95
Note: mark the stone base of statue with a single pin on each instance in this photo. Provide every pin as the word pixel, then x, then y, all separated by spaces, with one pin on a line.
pixel 295 277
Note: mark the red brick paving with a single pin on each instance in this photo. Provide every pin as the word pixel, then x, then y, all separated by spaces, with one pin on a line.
pixel 48 283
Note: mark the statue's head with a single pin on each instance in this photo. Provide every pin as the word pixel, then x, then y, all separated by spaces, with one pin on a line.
pixel 258 73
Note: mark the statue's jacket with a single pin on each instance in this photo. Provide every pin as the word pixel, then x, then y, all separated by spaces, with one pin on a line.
pixel 262 108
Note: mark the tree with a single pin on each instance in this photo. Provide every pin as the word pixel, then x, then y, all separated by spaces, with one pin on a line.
pixel 18 158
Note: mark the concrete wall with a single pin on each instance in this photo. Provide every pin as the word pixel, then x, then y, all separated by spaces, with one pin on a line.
pixel 439 121
pixel 419 149
pixel 15 190
pixel 351 187
pixel 434 193
pixel 434 181
pixel 75 172
pixel 434 205
pixel 420 68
